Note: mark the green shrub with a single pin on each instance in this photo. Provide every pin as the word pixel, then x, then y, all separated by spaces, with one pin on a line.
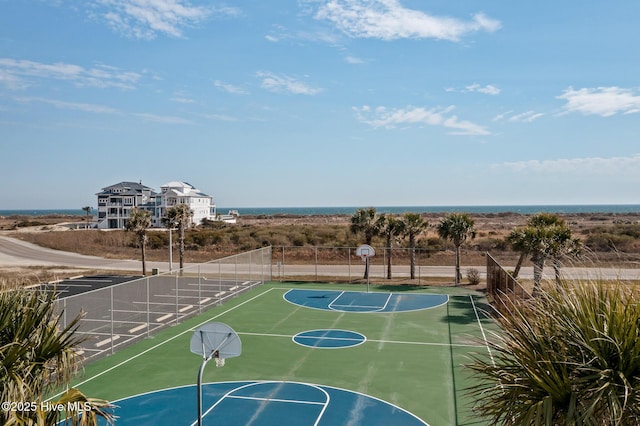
pixel 569 357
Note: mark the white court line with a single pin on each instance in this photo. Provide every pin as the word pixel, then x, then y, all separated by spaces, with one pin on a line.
pixel 336 298
pixel 163 343
pixel 228 395
pixel 348 339
pixel 399 342
pixel 291 401
pixel 371 308
pixel 387 302
pixel 484 336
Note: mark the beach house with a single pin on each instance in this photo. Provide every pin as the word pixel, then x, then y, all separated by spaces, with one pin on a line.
pixel 115 203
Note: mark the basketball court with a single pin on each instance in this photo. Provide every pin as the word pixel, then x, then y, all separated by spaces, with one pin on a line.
pixel 305 354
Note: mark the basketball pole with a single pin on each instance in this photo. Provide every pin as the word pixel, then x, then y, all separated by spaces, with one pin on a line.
pixel 366 261
pixel 205 359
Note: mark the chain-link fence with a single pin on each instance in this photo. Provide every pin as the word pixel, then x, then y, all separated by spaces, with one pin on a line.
pixel 341 264
pixel 119 315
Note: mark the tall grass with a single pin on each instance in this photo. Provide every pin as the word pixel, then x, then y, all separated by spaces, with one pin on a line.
pixel 569 357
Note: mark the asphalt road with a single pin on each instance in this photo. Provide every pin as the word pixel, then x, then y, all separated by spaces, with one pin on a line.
pixel 14 252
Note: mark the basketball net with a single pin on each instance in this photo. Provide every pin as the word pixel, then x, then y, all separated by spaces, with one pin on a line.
pixel 219 361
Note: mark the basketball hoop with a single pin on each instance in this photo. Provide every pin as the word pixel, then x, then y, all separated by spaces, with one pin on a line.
pixel 219 361
pixel 365 251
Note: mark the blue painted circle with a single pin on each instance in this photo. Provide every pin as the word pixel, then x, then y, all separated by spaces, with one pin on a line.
pixel 329 339
pixel 259 402
pixel 354 301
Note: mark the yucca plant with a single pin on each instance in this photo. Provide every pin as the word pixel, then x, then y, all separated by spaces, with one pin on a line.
pixel 38 357
pixel 568 357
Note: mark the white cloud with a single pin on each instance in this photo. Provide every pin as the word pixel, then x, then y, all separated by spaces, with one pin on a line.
pixel 230 88
pixel 182 100
pixel 389 20
pixel 166 119
pixel 382 117
pixel 101 109
pixel 489 89
pixel 219 117
pixel 144 19
pixel 527 117
pixel 603 101
pixel 78 106
pixel 353 60
pixel 17 74
pixel 587 165
pixel 283 83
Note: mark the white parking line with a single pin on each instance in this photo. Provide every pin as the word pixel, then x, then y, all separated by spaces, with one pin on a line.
pixel 106 341
pixel 164 317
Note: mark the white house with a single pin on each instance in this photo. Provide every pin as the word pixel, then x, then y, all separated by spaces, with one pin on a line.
pixel 172 193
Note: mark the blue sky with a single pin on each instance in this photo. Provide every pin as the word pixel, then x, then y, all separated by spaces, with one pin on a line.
pixel 321 102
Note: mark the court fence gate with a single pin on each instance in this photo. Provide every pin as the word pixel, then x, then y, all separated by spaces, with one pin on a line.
pixel 502 287
pixel 119 315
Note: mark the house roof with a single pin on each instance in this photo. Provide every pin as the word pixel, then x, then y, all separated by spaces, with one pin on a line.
pixel 127 188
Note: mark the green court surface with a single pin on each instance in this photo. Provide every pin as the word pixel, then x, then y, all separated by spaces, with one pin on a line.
pixel 411 359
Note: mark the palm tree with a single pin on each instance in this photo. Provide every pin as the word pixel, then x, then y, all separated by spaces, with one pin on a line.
pixel 87 210
pixel 365 221
pixel 179 216
pixel 546 236
pixel 414 225
pixel 390 227
pixel 570 358
pixel 38 357
pixel 138 223
pixel 457 227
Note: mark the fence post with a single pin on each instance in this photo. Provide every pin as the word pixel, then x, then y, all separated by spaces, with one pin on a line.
pixel 349 269
pixel 148 310
pixel 316 255
pixel 111 291
pixel 283 273
pixel 177 295
pixel 219 283
pixel 199 290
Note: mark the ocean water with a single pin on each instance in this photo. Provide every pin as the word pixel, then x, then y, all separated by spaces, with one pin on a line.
pixel 530 209
pixel 310 211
